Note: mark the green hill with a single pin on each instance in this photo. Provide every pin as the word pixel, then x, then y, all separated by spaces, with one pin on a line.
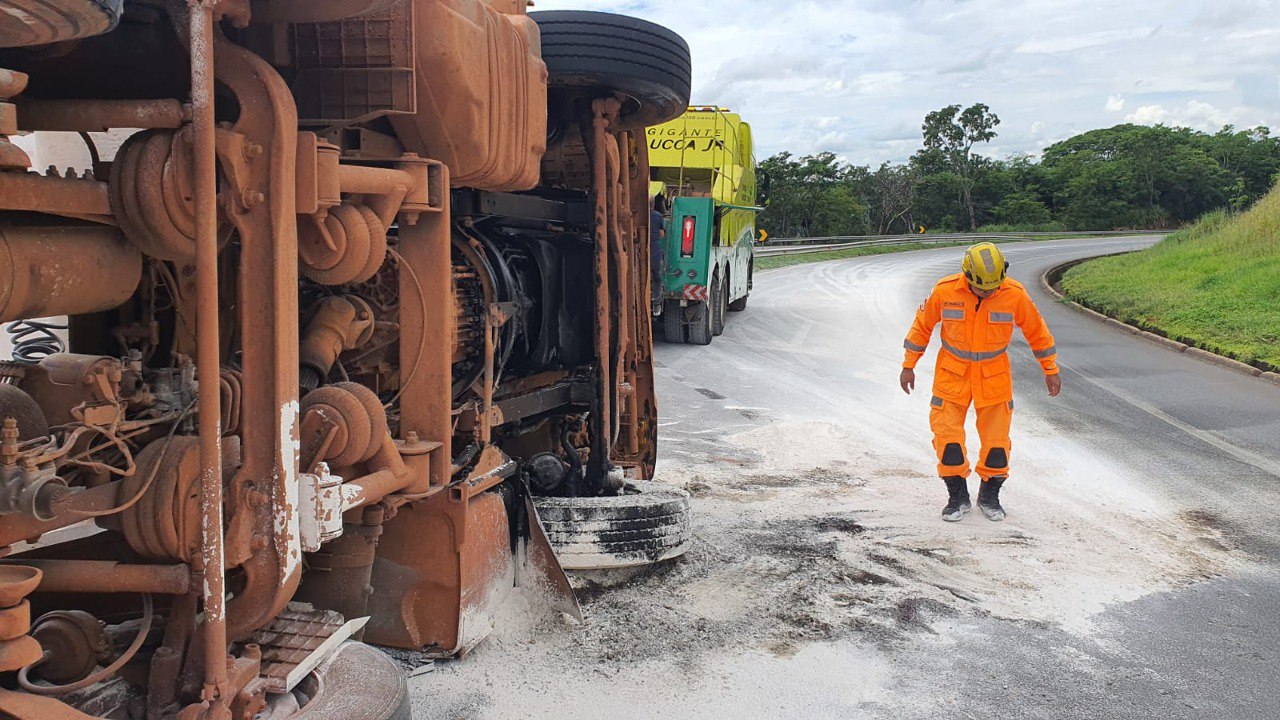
pixel 1215 284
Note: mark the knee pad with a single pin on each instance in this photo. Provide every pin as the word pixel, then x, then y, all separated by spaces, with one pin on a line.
pixel 953 454
pixel 997 458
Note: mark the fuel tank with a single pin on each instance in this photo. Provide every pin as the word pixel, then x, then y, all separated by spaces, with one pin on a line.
pixel 481 91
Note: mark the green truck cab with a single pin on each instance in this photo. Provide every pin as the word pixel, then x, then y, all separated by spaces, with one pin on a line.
pixel 704 163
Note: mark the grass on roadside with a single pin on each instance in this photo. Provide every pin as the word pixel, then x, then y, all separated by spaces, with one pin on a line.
pixel 1214 285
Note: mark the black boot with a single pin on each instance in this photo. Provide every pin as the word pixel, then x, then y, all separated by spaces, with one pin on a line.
pixel 958 501
pixel 989 499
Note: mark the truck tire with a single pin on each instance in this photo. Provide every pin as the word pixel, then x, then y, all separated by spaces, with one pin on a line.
pixel 22 25
pixel 648 523
pixel 673 323
pixel 741 303
pixel 720 293
pixel 700 330
pixel 355 670
pixel 596 51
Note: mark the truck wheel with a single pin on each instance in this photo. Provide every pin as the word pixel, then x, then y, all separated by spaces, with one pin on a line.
pixel 355 670
pixel 720 293
pixel 44 23
pixel 647 63
pixel 648 523
pixel 741 303
pixel 700 329
pixel 672 325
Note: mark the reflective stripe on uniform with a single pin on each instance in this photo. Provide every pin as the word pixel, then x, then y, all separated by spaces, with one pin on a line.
pixel 973 356
pixel 913 347
pixel 936 401
pixel 952 314
pixel 999 317
pixel 1047 352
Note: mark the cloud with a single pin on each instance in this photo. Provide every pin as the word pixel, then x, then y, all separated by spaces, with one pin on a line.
pixel 1195 114
pixel 857 77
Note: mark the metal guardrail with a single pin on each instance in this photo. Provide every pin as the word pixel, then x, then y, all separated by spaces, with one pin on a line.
pixel 804 246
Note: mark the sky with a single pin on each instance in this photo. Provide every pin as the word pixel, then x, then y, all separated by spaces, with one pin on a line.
pixel 857 77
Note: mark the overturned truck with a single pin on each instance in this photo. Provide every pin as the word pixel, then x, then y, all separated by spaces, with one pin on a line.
pixel 291 363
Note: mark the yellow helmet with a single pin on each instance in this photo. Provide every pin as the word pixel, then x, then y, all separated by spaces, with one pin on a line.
pixel 984 266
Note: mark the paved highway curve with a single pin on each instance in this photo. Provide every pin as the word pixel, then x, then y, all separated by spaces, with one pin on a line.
pixel 824 341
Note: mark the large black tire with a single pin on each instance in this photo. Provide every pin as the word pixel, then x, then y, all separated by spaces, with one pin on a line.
pixel 355 670
pixel 719 291
pixel 595 52
pixel 650 523
pixel 700 330
pixel 741 303
pixel 57 21
pixel 673 327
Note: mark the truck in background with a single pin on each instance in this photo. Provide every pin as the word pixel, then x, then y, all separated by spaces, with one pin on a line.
pixel 704 163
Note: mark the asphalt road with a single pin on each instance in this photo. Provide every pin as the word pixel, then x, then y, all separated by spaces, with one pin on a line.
pixel 824 341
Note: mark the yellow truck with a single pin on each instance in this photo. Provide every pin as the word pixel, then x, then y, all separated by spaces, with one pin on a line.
pixel 704 163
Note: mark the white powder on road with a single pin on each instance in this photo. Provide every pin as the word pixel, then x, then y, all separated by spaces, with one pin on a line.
pixel 814 552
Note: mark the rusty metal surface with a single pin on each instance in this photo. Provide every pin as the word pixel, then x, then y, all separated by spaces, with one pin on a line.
pixel 40 22
pixel 645 418
pixel 153 196
pixel 353 67
pixel 287 341
pixel 54 194
pixel 99 115
pixel 21 706
pixel 292 641
pixel 48 271
pixel 427 334
pixel 212 562
pixel 262 536
pixel 102 576
pixel 452 559
pixel 603 112
pixel 482 106
pixel 17 649
pixel 313 11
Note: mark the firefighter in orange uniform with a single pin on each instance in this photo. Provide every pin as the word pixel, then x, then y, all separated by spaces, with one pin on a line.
pixel 978 308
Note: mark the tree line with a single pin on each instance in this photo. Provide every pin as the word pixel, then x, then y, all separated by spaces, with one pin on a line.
pixel 1118 178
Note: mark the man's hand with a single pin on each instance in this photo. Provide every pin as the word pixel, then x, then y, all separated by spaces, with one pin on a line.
pixel 1054 383
pixel 907 380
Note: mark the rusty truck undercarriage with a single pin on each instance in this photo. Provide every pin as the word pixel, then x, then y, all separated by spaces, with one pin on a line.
pixel 287 366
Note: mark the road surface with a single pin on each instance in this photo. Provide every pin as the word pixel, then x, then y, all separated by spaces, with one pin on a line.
pixel 1134 578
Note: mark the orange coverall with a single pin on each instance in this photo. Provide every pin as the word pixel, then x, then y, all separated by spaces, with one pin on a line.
pixel 973 367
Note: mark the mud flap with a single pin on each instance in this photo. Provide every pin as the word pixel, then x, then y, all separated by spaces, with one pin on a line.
pixel 446 565
pixel 537 567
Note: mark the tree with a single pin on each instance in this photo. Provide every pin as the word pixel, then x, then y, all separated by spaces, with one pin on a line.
pixel 1021 209
pixel 1127 176
pixel 895 190
pixel 816 195
pixel 952 134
